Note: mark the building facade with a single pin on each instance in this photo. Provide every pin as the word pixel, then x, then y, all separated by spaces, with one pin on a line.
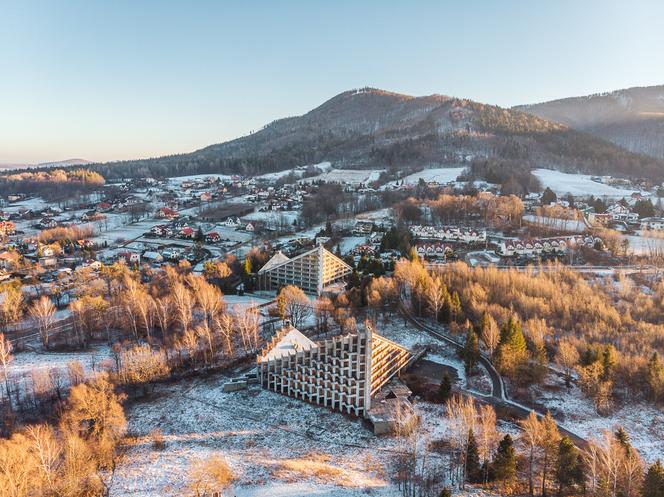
pixel 342 373
pixel 312 271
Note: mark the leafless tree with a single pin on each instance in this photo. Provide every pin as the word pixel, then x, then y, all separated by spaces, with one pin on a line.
pixel 43 312
pixel 293 304
pixel 6 358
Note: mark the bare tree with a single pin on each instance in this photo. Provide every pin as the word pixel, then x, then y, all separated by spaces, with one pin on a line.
pixel 293 304
pixel 490 333
pixel 532 438
pixel 183 304
pixel 435 293
pixel 226 326
pixel 208 297
pixel 43 312
pixel 488 436
pixel 248 323
pixel 568 357
pixel 6 358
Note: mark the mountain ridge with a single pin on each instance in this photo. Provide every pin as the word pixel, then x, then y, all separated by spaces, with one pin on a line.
pixel 632 118
pixel 374 128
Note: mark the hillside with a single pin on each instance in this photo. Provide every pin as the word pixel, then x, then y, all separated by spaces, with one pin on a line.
pixel 632 118
pixel 369 127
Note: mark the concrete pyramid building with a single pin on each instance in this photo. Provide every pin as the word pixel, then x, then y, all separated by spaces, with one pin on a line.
pixel 343 373
pixel 312 271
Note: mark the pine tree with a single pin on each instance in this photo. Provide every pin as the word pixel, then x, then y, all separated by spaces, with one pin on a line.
pixel 473 466
pixel 445 388
pixel 455 308
pixel 504 462
pixel 609 361
pixel 655 378
pixel 471 351
pixel 548 196
pixel 512 348
pixel 445 492
pixel 569 467
pixel 653 484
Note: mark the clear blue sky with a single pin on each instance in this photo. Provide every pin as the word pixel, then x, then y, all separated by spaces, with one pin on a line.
pixel 118 79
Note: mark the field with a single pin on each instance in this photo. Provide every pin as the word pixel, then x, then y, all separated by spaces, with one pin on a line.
pixel 350 176
pixel 439 174
pixel 577 184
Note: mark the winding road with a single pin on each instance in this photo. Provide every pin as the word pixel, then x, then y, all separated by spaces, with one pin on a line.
pixel 498 396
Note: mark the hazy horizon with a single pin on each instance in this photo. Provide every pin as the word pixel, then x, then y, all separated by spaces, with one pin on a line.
pixel 120 81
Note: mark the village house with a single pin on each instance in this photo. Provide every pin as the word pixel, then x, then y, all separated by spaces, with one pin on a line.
pixel 652 223
pixel 448 233
pixel 553 245
pixel 619 212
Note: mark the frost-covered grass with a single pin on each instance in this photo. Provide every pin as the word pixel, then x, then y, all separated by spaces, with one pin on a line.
pixel 264 437
pixel 577 184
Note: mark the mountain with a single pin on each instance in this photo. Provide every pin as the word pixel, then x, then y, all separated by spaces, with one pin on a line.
pixel 65 163
pixel 62 163
pixel 375 128
pixel 632 118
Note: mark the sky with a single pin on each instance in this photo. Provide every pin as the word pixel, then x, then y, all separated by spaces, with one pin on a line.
pixel 125 79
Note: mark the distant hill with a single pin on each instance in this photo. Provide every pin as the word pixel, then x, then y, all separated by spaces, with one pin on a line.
pixel 62 163
pixel 632 118
pixel 65 163
pixel 375 128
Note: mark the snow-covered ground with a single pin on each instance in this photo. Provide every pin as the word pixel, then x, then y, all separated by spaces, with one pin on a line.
pixel 178 180
pixel 570 225
pixel 440 175
pixel 350 242
pixel 644 245
pixel 577 184
pixel 350 176
pixel 298 171
pixel 643 422
pixel 260 434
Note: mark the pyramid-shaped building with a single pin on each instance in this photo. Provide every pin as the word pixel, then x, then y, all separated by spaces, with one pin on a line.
pixel 343 373
pixel 312 271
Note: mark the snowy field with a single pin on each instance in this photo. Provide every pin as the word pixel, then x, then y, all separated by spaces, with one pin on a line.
pixel 439 174
pixel 569 225
pixel 298 171
pixel 178 180
pixel 577 184
pixel 644 245
pixel 350 176
pixel 350 242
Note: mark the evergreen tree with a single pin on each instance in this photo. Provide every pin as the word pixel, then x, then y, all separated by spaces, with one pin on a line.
pixel 445 388
pixel 199 235
pixel 471 351
pixel 655 378
pixel 569 467
pixel 548 196
pixel 504 462
pixel 455 308
pixel 609 361
pixel 512 349
pixel 653 484
pixel 473 466
pixel 445 492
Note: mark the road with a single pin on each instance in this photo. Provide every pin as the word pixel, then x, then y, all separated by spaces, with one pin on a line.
pixel 498 397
